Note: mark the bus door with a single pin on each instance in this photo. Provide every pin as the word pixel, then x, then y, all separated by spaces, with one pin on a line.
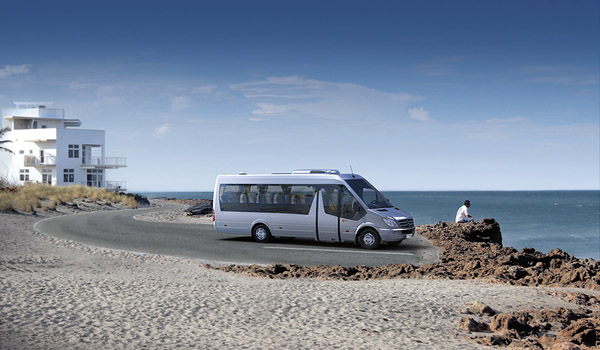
pixel 328 219
pixel 351 215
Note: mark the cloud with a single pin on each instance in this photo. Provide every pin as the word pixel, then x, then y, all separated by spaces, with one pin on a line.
pixel 270 109
pixel 567 80
pixel 256 119
pixel 419 114
pixel 179 103
pixel 9 70
pixel 506 120
pixel 162 130
pixel 559 75
pixel 293 95
pixel 203 90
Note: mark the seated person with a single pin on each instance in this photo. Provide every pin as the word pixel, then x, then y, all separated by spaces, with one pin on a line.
pixel 462 215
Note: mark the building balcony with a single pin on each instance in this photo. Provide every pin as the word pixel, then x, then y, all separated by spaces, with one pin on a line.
pixel 103 162
pixel 34 135
pixel 117 186
pixel 34 161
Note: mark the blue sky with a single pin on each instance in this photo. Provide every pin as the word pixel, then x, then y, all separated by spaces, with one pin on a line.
pixel 415 95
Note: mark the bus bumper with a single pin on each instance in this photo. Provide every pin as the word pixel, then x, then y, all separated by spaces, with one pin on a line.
pixel 393 235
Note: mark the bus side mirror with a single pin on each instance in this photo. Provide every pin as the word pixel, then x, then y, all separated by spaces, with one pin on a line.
pixel 355 206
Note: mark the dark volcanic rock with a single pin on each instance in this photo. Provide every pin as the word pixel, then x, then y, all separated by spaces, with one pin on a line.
pixel 201 208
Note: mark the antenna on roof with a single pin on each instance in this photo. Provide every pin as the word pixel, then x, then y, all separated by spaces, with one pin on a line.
pixel 351 171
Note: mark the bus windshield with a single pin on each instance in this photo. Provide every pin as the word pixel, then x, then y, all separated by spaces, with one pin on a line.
pixel 369 194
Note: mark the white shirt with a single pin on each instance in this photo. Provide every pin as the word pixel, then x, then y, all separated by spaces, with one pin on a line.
pixel 463 212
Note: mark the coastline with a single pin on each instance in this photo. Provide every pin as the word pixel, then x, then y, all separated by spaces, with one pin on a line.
pixel 61 294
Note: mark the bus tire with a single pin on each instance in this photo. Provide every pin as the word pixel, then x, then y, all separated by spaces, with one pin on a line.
pixel 369 239
pixel 261 234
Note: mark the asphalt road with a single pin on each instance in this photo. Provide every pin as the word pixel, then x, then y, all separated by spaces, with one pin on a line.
pixel 119 230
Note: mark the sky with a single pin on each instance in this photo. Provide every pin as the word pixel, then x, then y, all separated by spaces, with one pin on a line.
pixel 414 95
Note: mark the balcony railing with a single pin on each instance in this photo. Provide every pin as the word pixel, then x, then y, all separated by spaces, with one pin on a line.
pixel 34 161
pixel 117 186
pixel 103 162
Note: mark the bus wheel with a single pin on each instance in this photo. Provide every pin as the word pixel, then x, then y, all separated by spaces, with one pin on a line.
pixel 261 234
pixel 369 239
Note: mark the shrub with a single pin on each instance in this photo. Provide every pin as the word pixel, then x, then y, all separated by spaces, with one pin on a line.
pixel 5 202
pixel 29 197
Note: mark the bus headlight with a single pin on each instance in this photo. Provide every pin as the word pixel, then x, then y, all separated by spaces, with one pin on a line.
pixel 390 222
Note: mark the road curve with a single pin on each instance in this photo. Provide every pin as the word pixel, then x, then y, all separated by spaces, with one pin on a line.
pixel 117 229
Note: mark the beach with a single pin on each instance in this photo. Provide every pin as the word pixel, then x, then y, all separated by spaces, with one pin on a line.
pixel 61 294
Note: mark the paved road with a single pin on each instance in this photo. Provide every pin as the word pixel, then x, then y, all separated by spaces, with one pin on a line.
pixel 119 230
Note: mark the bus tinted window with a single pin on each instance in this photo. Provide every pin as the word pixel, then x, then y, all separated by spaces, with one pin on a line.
pixel 369 194
pixel 349 204
pixel 290 199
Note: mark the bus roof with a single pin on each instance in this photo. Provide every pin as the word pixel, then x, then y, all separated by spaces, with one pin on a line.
pixel 283 178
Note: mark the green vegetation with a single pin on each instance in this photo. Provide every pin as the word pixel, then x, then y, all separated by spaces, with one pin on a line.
pixel 30 198
pixel 3 142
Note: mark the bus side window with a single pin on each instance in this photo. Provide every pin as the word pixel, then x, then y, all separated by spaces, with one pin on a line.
pixel 229 197
pixel 348 206
pixel 329 195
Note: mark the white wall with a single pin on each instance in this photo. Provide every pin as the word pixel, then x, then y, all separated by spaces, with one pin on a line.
pixel 66 137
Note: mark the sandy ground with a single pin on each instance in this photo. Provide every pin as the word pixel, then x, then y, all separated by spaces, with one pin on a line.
pixel 175 216
pixel 61 294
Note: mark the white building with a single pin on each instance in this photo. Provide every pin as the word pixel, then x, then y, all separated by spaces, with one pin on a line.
pixel 49 148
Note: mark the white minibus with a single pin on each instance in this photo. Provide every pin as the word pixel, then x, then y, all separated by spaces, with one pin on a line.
pixel 320 204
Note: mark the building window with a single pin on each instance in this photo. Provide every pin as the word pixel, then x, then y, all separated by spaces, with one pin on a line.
pixel 69 175
pixel 47 176
pixel 21 151
pixel 73 151
pixel 24 174
pixel 94 177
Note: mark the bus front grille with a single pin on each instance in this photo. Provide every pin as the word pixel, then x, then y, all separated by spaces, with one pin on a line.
pixel 406 223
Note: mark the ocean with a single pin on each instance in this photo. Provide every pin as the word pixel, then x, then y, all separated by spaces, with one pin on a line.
pixel 544 220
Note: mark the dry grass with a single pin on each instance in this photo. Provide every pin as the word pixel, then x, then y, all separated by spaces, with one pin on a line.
pixel 29 198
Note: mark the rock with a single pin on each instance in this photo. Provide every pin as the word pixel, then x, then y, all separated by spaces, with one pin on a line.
pixel 582 332
pixel 468 251
pixel 579 298
pixel 512 324
pixel 527 343
pixel 565 346
pixel 201 208
pixel 470 325
pixel 493 340
pixel 478 308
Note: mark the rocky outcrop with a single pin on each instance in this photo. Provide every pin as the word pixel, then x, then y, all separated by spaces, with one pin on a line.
pixel 546 329
pixel 195 207
pixel 474 250
pixel 200 208
pixel 468 251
